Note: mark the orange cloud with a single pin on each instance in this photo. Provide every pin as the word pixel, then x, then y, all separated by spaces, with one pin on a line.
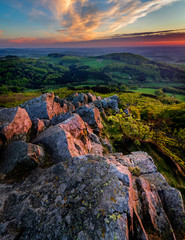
pixel 22 40
pixel 85 19
pixel 1 31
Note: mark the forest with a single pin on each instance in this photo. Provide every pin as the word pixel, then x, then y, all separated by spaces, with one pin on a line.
pixel 122 71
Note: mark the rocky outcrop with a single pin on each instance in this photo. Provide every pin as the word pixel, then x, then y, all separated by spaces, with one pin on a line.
pixel 67 139
pixel 14 123
pixel 20 157
pixel 43 107
pixel 78 99
pixel 92 197
pixel 91 97
pixel 64 186
pixel 111 102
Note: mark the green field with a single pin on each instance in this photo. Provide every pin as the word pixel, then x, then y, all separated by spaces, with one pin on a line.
pixel 94 63
pixel 152 91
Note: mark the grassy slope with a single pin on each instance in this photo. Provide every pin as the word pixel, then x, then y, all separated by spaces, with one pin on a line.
pixel 152 91
pixel 15 99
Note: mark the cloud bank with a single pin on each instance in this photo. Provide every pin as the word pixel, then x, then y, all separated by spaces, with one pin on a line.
pixel 168 37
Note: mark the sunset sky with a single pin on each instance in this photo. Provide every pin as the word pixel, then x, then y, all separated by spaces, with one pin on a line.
pixel 91 23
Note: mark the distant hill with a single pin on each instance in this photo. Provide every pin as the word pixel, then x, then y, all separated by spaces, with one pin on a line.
pixel 127 58
pixel 117 69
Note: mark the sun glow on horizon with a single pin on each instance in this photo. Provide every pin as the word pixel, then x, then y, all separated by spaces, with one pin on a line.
pixel 77 22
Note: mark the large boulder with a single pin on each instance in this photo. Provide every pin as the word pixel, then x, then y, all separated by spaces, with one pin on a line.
pixel 43 107
pixel 111 102
pixel 14 123
pixel 20 157
pixel 67 139
pixel 91 115
pixel 91 197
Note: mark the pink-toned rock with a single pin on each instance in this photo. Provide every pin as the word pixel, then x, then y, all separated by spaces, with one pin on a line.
pixel 91 115
pixel 63 104
pixel 20 157
pixel 151 210
pixel 91 97
pixel 14 122
pixel 78 99
pixel 67 139
pixel 99 98
pixel 38 126
pixel 43 107
pixel 71 107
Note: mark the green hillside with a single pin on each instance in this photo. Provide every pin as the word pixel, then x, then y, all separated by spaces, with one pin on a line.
pixel 114 70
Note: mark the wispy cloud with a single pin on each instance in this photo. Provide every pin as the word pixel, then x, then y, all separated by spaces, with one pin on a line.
pixel 87 19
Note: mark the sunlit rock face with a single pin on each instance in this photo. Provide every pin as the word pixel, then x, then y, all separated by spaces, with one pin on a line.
pixel 91 115
pixel 60 184
pixel 43 107
pixel 14 123
pixel 67 139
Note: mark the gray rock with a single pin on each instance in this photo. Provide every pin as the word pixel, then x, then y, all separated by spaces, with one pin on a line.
pixel 173 205
pixel 91 97
pixel 42 211
pixel 115 97
pixel 78 99
pixel 47 123
pixel 60 118
pixel 90 197
pixel 66 139
pixel 94 138
pixel 21 157
pixel 99 105
pixel 111 102
pixel 90 115
pixel 43 107
pixel 107 145
pixel 143 161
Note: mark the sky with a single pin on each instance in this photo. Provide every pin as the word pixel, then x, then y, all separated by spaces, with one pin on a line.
pixel 91 23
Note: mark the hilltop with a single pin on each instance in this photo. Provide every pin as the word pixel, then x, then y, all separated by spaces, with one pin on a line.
pixel 62 179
